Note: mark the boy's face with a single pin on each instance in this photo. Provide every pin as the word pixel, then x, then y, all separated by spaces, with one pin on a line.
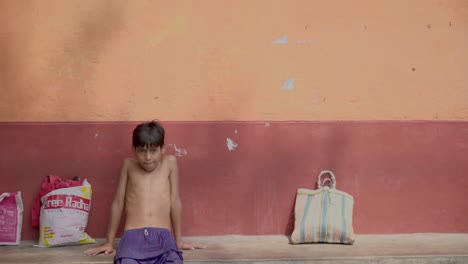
pixel 149 157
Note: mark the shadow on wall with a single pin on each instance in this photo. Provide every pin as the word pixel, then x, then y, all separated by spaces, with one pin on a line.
pixel 44 52
pixel 79 57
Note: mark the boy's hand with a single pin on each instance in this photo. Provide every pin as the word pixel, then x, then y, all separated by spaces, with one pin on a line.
pixel 106 249
pixel 190 246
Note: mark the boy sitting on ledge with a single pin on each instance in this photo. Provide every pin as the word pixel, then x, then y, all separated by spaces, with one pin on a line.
pixel 148 189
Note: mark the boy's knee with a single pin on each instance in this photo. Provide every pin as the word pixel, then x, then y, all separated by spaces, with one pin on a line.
pixel 175 258
pixel 126 261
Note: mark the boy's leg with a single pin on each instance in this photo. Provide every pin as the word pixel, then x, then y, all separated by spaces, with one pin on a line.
pixel 173 257
pixel 126 261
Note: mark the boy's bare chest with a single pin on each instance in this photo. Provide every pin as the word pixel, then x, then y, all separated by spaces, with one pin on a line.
pixel 148 183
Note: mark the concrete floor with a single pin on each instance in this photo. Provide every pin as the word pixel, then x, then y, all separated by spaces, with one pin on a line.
pixel 382 249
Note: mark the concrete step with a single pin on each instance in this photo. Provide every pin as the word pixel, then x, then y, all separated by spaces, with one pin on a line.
pixel 382 249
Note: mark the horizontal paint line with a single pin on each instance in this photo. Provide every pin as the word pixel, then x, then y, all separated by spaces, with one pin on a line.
pixel 229 122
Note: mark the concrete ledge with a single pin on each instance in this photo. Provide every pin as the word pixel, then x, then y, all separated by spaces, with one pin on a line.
pixel 382 249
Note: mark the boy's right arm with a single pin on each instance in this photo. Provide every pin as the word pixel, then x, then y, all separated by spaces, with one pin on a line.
pixel 116 213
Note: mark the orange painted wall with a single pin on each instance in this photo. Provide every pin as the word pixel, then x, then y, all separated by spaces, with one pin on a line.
pixel 246 60
pixel 233 60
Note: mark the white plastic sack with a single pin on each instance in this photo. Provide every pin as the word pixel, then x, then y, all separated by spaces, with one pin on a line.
pixel 64 216
pixel 11 218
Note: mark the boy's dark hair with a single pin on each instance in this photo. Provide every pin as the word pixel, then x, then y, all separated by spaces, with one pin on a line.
pixel 148 134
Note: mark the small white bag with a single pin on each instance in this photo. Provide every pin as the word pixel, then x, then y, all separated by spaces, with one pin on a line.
pixel 11 218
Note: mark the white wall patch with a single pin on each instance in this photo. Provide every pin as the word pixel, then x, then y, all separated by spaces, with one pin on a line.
pixel 179 152
pixel 231 144
pixel 288 84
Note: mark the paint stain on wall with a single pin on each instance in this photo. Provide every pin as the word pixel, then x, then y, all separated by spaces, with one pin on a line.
pixel 235 131
pixel 288 84
pixel 231 144
pixel 179 152
pixel 304 41
pixel 267 124
pixel 318 100
pixel 177 26
pixel 74 67
pixel 283 40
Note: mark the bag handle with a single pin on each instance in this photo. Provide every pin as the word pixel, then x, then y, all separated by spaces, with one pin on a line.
pixel 332 180
pixel 3 196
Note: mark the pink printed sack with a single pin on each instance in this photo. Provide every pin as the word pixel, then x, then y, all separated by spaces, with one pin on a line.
pixel 11 218
pixel 64 216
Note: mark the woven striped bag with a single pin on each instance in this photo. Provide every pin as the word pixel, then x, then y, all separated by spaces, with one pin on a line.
pixel 324 215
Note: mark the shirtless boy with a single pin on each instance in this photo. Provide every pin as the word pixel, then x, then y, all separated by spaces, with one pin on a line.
pixel 148 189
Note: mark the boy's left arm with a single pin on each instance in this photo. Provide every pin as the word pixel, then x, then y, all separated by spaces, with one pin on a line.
pixel 176 207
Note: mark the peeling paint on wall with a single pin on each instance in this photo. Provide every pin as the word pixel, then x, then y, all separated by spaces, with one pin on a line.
pixel 283 40
pixel 318 100
pixel 288 84
pixel 231 144
pixel 179 152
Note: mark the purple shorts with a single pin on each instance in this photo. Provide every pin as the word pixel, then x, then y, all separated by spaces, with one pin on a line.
pixel 148 245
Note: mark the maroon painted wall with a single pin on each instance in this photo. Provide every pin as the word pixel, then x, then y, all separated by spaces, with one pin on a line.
pixel 406 177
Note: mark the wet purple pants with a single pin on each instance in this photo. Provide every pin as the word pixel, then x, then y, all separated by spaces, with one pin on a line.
pixel 148 245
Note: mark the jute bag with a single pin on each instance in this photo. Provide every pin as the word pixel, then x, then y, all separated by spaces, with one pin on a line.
pixel 324 215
